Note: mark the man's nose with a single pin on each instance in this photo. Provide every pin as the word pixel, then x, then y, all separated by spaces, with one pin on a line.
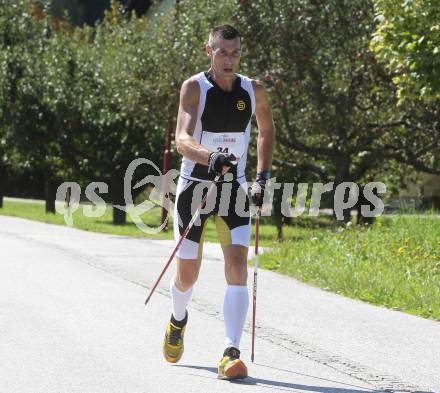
pixel 228 60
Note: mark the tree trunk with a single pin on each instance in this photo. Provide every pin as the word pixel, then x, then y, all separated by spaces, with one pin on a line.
pixel 342 169
pixel 2 185
pixel 50 192
pixel 117 197
pixel 278 215
pixel 361 220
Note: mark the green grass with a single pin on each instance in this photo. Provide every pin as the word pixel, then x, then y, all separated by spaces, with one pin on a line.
pixel 395 263
pixel 36 212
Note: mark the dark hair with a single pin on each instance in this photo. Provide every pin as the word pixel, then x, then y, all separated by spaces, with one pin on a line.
pixel 227 32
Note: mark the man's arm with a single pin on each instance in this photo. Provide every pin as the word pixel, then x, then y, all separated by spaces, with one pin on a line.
pixel 266 128
pixel 186 123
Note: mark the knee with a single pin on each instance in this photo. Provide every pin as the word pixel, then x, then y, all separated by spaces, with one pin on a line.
pixel 237 273
pixel 242 270
pixel 185 280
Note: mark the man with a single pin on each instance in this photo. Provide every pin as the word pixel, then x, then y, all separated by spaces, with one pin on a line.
pixel 212 135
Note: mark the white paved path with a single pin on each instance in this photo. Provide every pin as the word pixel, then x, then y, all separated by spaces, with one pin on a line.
pixel 72 319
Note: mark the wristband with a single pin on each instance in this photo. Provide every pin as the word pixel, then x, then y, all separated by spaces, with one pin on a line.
pixel 263 175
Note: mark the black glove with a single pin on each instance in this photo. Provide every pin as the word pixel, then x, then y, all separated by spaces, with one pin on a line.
pixel 257 189
pixel 218 160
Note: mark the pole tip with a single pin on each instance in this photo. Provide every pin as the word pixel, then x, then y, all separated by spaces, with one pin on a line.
pixel 252 358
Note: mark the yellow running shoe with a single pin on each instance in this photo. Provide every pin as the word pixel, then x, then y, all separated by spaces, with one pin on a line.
pixel 173 341
pixel 231 367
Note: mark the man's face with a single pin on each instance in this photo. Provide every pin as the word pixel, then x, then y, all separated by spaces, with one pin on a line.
pixel 225 57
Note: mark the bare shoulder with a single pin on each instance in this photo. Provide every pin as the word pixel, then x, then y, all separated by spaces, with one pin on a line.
pixel 258 86
pixel 190 91
pixel 259 91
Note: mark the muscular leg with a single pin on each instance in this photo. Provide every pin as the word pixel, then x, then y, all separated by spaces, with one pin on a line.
pixel 235 264
pixel 190 251
pixel 181 285
pixel 234 240
pixel 236 301
pixel 187 273
pixel 188 266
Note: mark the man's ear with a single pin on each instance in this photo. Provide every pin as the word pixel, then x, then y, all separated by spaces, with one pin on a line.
pixel 208 50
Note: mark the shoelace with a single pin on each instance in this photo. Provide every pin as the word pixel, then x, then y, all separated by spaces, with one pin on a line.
pixel 174 336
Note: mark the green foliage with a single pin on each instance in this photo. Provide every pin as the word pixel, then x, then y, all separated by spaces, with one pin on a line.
pixel 407 40
pixel 334 104
pixel 25 39
pixel 82 103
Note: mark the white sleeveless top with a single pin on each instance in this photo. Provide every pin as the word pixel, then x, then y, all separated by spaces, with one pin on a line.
pixel 223 123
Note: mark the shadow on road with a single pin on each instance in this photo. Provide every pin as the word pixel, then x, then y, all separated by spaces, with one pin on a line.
pixel 287 385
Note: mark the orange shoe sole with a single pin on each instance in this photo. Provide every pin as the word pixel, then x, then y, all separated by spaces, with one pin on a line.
pixel 237 370
pixel 171 360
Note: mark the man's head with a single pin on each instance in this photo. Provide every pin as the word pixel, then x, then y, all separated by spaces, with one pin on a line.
pixel 224 50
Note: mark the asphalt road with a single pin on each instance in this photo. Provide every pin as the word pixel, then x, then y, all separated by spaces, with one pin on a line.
pixel 72 319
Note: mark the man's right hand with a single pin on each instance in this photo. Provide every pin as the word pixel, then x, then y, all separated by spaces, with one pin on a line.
pixel 219 163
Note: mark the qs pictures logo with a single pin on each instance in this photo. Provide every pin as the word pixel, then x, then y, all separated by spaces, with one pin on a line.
pixel 241 105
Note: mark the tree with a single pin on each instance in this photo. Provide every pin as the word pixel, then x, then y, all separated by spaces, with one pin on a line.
pixel 120 95
pixel 147 73
pixel 334 104
pixel 3 166
pixel 407 40
pixel 4 90
pixel 27 40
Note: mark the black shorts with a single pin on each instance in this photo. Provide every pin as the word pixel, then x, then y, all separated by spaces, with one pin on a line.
pixel 228 204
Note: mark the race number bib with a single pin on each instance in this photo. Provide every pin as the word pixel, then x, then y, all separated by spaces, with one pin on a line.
pixel 228 142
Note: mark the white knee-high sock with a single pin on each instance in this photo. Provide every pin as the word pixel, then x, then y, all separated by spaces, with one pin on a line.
pixel 180 301
pixel 235 309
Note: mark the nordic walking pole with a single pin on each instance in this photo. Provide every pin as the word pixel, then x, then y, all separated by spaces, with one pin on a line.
pixel 185 232
pixel 254 308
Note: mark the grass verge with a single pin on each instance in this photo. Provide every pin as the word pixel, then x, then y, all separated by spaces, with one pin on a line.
pixel 36 211
pixel 395 263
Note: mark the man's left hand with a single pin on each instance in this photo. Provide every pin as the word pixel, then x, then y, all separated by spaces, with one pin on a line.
pixel 257 189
